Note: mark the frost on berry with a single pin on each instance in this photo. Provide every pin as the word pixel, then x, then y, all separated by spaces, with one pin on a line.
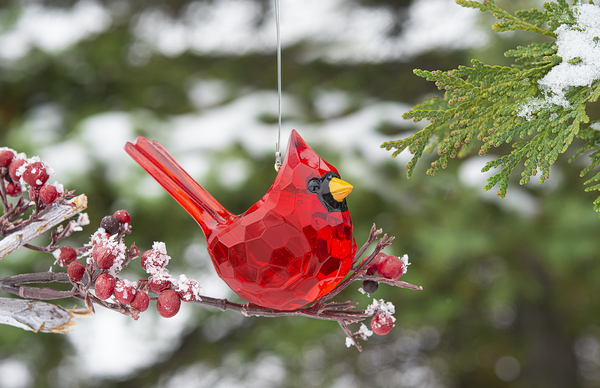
pixel 110 224
pixel 380 306
pixel 125 291
pixel 383 320
pixel 13 189
pixel 404 259
pixel 76 270
pixel 382 324
pixel 140 300
pixel 104 286
pixel 107 252
pixel 14 168
pixel 6 156
pixel 160 281
pixel 168 303
pixel 35 172
pixel 155 259
pixel 188 289
pixel 65 256
pixel 48 194
pixel 393 267
pixel 122 216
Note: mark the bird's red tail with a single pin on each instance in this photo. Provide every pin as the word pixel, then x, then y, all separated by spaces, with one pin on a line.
pixel 187 192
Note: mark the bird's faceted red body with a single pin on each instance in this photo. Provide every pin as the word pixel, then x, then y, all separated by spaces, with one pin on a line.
pixel 284 252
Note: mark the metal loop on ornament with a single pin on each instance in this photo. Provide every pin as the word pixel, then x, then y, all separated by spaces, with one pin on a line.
pixel 277 161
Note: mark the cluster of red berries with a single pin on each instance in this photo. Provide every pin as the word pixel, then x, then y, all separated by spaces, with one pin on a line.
pixel 32 172
pixel 108 255
pixel 387 266
pixel 160 282
pixel 107 250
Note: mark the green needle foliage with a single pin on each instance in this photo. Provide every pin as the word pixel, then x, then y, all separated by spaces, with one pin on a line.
pixel 486 106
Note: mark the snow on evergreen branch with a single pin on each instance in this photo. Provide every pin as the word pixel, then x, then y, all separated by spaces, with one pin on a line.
pixel 538 104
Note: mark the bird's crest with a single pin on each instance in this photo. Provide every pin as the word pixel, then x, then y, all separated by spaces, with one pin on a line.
pixel 300 152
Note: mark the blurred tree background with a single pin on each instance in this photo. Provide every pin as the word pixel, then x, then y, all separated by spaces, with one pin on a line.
pixel 511 294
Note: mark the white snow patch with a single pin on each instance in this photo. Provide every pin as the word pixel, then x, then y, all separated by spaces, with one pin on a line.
pixel 404 260
pixel 579 48
pixel 146 340
pixel 15 373
pixel 364 331
pixel 105 135
pixel 52 29
pixel 381 307
pixel 338 30
pixel 532 106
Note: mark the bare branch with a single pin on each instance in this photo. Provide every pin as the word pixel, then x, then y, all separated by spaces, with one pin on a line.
pixel 332 312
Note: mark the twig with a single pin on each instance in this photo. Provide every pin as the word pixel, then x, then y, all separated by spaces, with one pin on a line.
pixel 372 236
pixel 57 214
pixel 333 313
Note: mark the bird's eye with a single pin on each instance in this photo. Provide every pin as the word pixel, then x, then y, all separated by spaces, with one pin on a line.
pixel 313 185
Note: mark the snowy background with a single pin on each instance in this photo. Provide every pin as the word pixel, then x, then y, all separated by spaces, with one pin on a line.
pixel 332 31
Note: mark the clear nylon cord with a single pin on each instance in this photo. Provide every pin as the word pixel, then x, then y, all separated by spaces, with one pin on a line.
pixel 277 151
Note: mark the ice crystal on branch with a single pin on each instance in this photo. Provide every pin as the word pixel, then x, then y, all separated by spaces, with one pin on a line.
pixel 542 98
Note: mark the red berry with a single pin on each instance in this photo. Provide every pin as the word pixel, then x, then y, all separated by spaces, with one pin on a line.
pixel 372 269
pixel 76 271
pixel 103 256
pixel 105 286
pixel 35 174
pixel 391 268
pixel 13 189
pixel 6 156
pixel 382 324
pixel 144 258
pixel 125 291
pixel 153 260
pixel 122 216
pixel 158 285
pixel 13 167
pixel 48 194
pixel 168 304
pixel 140 300
pixel 67 256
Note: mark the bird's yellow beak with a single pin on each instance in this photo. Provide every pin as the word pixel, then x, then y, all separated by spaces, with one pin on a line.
pixel 339 189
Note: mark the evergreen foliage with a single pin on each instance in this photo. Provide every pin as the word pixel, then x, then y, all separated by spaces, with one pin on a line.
pixel 485 106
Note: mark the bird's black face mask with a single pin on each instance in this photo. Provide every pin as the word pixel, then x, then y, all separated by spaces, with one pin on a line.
pixel 321 187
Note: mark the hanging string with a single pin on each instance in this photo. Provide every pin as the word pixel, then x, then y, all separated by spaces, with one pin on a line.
pixel 277 152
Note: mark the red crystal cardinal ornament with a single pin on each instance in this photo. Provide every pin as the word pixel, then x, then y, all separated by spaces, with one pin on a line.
pixel 291 247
